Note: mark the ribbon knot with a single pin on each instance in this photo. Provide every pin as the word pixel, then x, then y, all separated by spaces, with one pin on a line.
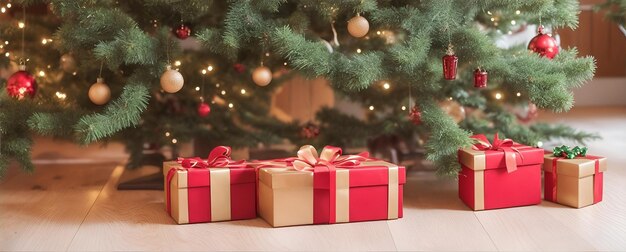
pixel 504 145
pixel 330 157
pixel 219 157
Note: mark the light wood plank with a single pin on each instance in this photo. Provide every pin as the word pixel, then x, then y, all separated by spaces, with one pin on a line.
pixel 43 211
pixel 435 218
pixel 136 220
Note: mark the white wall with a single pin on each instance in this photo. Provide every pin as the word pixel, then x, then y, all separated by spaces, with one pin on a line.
pixel 601 92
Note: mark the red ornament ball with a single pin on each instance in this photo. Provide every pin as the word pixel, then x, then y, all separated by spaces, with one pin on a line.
pixel 204 109
pixel 310 130
pixel 415 115
pixel 21 84
pixel 544 44
pixel 182 32
pixel 239 68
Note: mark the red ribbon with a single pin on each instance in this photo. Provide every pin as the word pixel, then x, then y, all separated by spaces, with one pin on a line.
pixel 219 157
pixel 505 145
pixel 597 186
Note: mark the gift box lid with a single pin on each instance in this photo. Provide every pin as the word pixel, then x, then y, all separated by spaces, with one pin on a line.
pixel 494 159
pixel 578 167
pixel 369 173
pixel 199 177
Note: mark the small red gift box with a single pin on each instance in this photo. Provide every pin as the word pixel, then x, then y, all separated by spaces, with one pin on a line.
pixel 216 189
pixel 329 189
pixel 499 175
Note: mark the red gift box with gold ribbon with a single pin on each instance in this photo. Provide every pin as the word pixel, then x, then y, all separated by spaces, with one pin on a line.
pixel 499 174
pixel 215 189
pixel 329 188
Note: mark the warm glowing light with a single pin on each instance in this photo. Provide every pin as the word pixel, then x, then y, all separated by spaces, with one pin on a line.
pixel 197 88
pixel 371 107
pixel 403 107
pixel 489 12
pixel 61 95
pixel 518 12
pixel 6 42
pixel 267 54
pixel 210 68
pixel 243 91
pixel 386 85
pixel 358 50
pixel 20 25
pixel 203 71
pixel 9 5
pixel 217 85
pixel 174 140
pixel 539 144
pixel 519 94
pixel 167 134
pixel 177 63
pixel 513 22
pixel 377 32
pixel 42 73
pixel 285 63
pixel 3 10
pixel 510 32
pixel 493 19
pixel 449 98
pixel 44 41
pixel 223 92
pixel 7 54
pixel 230 105
pixel 74 73
pixel 498 96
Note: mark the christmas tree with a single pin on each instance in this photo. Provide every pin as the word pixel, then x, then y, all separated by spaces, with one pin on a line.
pixel 383 55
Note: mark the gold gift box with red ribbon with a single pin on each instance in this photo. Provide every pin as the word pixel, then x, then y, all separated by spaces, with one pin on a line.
pixel 215 189
pixel 574 182
pixel 329 188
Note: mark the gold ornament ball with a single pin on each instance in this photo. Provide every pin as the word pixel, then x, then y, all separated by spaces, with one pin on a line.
pixel 67 63
pixel 172 80
pixel 358 26
pixel 453 109
pixel 99 92
pixel 262 76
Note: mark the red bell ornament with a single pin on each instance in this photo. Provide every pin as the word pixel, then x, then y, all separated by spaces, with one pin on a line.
pixel 415 115
pixel 480 78
pixel 450 62
pixel 182 32
pixel 544 44
pixel 21 84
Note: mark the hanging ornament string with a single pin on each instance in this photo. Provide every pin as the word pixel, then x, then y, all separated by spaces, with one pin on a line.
pixel 410 98
pixel 101 65
pixel 335 42
pixel 23 55
pixel 202 88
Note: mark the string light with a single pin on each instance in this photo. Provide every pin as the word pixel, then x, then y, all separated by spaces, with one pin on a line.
pixel 518 12
pixel 267 54
pixel 167 134
pixel 513 22
pixel 498 96
pixel 539 144
pixel 174 140
pixel 61 95
pixel 489 12
pixel 3 10
pixel 377 32
pixel 197 88
pixel 371 107
pixel 42 73
pixel 9 5
pixel 203 71
pixel 6 42
pixel 44 41
pixel 177 63
pixel 403 107
pixel 223 92
pixel 20 25
pixel 230 105
pixel 386 85
pixel 210 68
pixel 358 50
pixel 243 91
pixel 493 19
pixel 285 63
pixel 217 85
pixel 7 54
pixel 519 94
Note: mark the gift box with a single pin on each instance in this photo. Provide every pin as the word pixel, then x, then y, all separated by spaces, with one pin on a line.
pixel 575 182
pixel 215 189
pixel 499 175
pixel 329 189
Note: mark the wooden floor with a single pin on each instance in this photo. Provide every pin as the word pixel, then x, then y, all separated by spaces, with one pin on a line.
pixel 76 207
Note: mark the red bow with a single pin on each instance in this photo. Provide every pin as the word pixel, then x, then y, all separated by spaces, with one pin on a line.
pixel 218 158
pixel 329 157
pixel 505 145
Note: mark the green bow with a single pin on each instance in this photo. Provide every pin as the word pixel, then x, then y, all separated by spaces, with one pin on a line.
pixel 566 152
